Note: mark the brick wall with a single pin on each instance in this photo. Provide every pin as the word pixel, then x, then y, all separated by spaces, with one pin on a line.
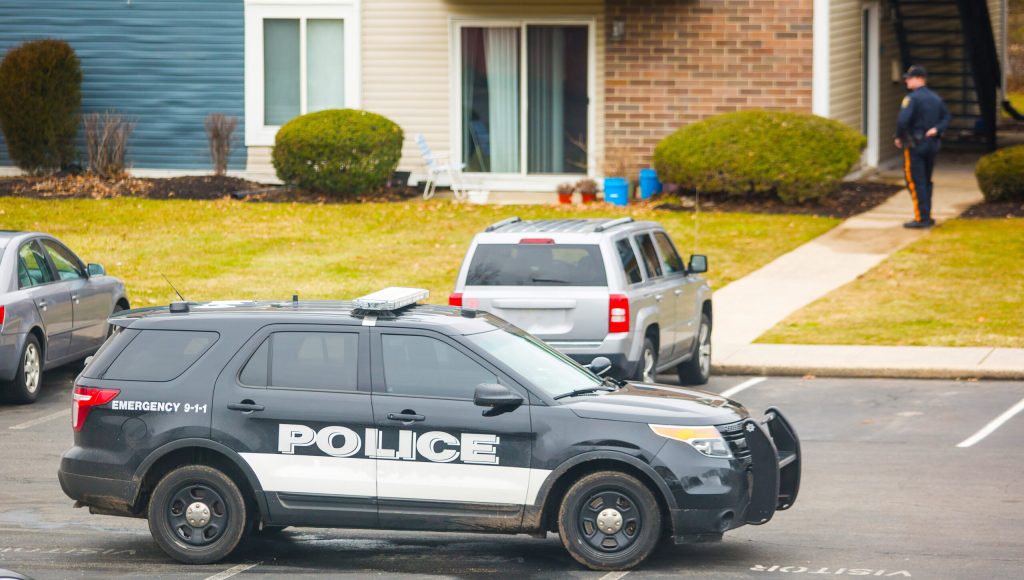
pixel 684 60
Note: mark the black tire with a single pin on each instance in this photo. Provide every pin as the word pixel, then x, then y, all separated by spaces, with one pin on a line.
pixel 28 381
pixel 647 364
pixel 697 369
pixel 169 522
pixel 586 506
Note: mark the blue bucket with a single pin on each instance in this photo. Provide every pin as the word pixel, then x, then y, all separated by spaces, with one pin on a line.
pixel 649 184
pixel 616 190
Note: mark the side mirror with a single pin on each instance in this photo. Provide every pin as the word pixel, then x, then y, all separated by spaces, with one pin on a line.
pixel 600 365
pixel 96 270
pixel 698 264
pixel 494 395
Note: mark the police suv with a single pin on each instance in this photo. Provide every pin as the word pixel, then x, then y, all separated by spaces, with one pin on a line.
pixel 218 419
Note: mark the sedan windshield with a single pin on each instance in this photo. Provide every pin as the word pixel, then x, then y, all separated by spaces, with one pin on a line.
pixel 543 366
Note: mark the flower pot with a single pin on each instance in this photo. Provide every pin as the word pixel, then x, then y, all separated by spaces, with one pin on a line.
pixel 588 197
pixel 564 198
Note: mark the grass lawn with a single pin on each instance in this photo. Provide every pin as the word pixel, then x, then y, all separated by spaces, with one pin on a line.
pixel 218 250
pixel 962 285
pixel 1017 100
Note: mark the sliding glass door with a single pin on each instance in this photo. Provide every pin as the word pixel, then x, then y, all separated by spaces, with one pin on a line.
pixel 550 134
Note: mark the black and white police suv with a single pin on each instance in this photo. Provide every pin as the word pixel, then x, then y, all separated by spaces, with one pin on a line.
pixel 217 419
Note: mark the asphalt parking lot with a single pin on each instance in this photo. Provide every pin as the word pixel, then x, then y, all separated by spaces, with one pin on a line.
pixel 886 493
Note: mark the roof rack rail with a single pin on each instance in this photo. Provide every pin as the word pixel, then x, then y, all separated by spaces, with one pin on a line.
pixel 613 223
pixel 504 222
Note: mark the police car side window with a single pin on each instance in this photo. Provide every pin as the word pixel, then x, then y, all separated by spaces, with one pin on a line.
pixel 326 361
pixel 159 355
pixel 422 366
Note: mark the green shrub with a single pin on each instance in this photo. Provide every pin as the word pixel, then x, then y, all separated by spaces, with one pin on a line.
pixel 1001 174
pixel 338 151
pixel 795 156
pixel 40 100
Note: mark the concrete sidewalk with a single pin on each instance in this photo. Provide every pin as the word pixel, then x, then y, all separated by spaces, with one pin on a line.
pixel 749 307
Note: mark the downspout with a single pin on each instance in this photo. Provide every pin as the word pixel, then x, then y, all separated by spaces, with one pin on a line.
pixel 820 66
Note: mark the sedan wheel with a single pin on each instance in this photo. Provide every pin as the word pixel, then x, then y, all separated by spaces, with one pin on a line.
pixel 25 387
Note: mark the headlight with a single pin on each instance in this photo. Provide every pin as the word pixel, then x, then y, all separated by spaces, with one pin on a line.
pixel 707 439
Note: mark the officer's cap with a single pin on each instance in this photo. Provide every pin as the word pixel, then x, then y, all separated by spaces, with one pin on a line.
pixel 916 71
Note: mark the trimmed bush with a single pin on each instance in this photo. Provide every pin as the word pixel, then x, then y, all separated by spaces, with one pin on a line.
pixel 40 101
pixel 1001 174
pixel 338 151
pixel 794 156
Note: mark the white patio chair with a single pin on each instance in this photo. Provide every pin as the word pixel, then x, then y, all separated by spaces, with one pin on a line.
pixel 439 163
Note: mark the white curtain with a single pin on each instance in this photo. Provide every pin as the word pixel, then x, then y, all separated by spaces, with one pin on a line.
pixel 501 48
pixel 546 71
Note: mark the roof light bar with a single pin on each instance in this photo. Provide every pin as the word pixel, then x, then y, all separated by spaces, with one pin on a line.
pixel 391 298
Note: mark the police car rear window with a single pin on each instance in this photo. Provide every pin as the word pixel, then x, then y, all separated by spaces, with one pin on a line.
pixel 159 355
pixel 537 264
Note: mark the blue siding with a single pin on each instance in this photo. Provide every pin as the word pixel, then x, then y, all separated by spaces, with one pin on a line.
pixel 168 63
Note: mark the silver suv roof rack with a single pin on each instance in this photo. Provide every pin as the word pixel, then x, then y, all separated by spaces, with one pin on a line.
pixel 504 222
pixel 611 224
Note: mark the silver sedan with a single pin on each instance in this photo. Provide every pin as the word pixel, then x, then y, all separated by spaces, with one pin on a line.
pixel 53 309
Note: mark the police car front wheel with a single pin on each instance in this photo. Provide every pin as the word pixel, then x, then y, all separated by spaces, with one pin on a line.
pixel 609 521
pixel 197 514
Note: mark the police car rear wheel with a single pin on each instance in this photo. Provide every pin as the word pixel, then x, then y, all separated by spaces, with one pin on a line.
pixel 197 514
pixel 609 521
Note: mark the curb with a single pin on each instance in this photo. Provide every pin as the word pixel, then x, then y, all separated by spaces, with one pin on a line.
pixel 867 372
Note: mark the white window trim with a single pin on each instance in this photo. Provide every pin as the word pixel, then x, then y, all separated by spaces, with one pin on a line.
pixel 820 55
pixel 872 151
pixel 256 133
pixel 522 179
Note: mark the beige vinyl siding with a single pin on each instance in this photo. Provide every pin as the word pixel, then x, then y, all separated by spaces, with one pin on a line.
pixel 890 85
pixel 846 56
pixel 407 47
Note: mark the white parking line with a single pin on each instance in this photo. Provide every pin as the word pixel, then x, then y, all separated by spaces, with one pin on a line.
pixel 38 420
pixel 743 386
pixel 993 425
pixel 233 571
pixel 613 575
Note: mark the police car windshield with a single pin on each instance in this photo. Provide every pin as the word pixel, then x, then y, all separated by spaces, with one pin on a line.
pixel 541 365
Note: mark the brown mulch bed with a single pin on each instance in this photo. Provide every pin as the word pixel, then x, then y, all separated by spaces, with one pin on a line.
pixel 191 187
pixel 995 209
pixel 852 198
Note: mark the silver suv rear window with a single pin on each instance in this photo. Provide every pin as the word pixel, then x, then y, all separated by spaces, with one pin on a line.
pixel 537 264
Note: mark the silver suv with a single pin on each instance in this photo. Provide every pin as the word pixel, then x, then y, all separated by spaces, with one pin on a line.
pixel 615 288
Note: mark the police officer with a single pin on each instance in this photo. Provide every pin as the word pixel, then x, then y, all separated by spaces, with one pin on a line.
pixel 922 120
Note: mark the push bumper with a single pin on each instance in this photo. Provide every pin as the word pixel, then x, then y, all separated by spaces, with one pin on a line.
pixel 775 466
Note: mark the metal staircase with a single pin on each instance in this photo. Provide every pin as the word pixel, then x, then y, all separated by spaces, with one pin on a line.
pixel 953 40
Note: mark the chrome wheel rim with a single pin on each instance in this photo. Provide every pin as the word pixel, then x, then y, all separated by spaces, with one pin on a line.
pixel 31 368
pixel 704 352
pixel 648 375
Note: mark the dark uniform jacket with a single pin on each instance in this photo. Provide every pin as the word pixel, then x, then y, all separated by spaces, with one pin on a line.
pixel 922 109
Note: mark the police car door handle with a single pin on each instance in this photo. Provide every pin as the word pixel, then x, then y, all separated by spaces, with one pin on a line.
pixel 405 417
pixel 247 406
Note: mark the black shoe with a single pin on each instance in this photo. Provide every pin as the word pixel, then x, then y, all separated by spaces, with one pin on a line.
pixel 917 225
pixel 928 222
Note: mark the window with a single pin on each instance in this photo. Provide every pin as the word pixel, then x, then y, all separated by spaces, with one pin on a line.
pixel 670 259
pixel 422 366
pixel 629 262
pixel 301 57
pixel 159 355
pixel 32 267
pixel 69 267
pixel 651 263
pixel 537 265
pixel 327 361
pixel 543 69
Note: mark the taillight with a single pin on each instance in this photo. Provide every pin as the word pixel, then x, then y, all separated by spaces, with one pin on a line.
pixel 84 399
pixel 618 313
pixel 1 317
pixel 455 299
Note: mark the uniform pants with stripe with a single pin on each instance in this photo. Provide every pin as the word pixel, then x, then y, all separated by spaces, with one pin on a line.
pixel 918 163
